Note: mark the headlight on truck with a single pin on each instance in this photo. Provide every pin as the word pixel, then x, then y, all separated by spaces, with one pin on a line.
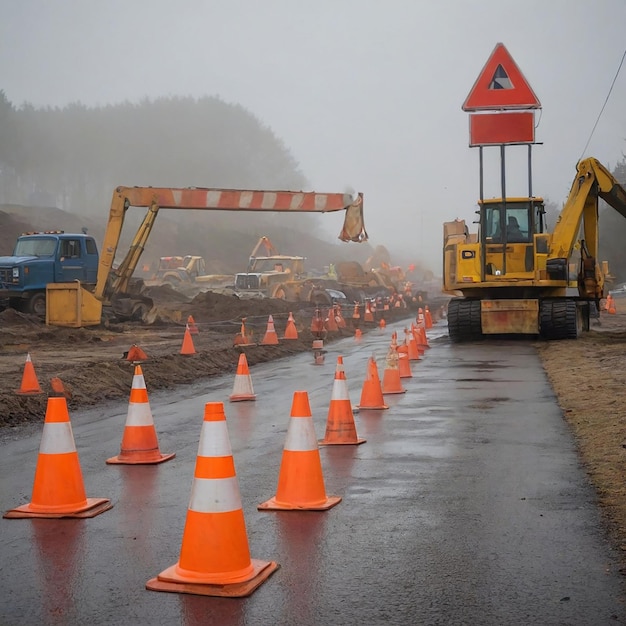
pixel 16 272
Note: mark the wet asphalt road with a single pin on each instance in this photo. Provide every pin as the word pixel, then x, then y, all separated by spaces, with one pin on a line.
pixel 466 505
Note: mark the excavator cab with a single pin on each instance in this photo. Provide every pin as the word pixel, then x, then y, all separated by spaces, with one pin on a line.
pixel 508 229
pixel 516 219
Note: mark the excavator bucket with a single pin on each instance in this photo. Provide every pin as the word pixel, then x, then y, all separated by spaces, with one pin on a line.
pixel 353 224
pixel 71 305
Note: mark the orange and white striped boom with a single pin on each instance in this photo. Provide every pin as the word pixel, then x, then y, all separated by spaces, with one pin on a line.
pixel 111 282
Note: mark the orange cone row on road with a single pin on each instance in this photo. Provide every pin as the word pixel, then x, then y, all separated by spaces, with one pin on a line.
pixel 391 375
pixel 340 427
pixel 372 393
pixel 242 388
pixel 58 489
pixel 300 479
pixel 215 555
pixel 140 445
pixel 404 366
pixel 414 353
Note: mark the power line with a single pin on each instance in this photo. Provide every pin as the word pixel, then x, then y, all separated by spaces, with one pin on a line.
pixel 604 105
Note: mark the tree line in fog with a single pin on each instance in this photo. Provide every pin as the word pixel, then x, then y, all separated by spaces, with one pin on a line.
pixel 73 157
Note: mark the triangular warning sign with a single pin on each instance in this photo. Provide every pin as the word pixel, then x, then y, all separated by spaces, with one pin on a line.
pixel 501 85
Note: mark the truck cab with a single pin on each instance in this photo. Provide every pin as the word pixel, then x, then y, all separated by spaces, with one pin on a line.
pixel 42 258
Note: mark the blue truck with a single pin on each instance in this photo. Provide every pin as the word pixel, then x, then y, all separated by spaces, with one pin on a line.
pixel 42 258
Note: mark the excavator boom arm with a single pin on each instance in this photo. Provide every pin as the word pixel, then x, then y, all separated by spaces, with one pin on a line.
pixel 196 198
pixel 593 180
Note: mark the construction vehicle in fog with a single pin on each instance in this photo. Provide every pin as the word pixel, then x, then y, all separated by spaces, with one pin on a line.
pixel 188 271
pixel 274 275
pixel 41 258
pixel 80 303
pixel 270 275
pixel 514 277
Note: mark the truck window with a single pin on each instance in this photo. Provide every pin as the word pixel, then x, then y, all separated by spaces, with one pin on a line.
pixel 91 246
pixel 42 246
pixel 70 248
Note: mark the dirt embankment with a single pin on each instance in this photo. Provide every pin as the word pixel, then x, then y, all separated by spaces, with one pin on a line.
pixel 587 375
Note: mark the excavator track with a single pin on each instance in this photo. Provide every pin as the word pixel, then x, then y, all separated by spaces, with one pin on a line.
pixel 464 320
pixel 560 319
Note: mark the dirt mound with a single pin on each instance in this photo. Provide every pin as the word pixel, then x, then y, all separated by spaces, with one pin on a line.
pixel 211 306
pixel 11 317
pixel 11 227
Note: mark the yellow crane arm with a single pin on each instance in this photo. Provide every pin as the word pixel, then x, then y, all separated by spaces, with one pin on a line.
pixel 592 180
pixel 110 282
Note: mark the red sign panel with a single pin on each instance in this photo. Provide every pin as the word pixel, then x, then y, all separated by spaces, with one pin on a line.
pixel 501 85
pixel 489 129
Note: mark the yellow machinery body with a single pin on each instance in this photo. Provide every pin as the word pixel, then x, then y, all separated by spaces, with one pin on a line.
pixel 513 277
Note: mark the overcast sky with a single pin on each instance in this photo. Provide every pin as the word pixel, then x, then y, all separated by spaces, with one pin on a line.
pixel 366 94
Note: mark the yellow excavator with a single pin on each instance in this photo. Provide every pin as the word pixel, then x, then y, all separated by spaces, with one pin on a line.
pixel 513 277
pixel 76 304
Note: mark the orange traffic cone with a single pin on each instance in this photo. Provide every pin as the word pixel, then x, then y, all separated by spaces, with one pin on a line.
pixel 428 318
pixel 318 351
pixel 372 392
pixel 30 384
pixel 358 335
pixel 135 354
pixel 610 305
pixel 424 341
pixel 214 556
pixel 300 480
pixel 417 335
pixel 291 332
pixel 330 323
pixel 414 353
pixel 382 324
pixel 355 313
pixel 340 427
pixel 270 338
pixel 58 489
pixel 139 441
pixel 193 328
pixel 241 338
pixel 317 324
pixel 187 347
pixel 242 389
pixel 404 366
pixel 368 316
pixel 341 322
pixel 391 375
pixel 58 388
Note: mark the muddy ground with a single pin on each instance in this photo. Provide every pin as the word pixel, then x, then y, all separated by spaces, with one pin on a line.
pixel 587 374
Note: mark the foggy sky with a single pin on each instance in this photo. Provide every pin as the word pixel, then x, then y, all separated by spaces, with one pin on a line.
pixel 366 94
